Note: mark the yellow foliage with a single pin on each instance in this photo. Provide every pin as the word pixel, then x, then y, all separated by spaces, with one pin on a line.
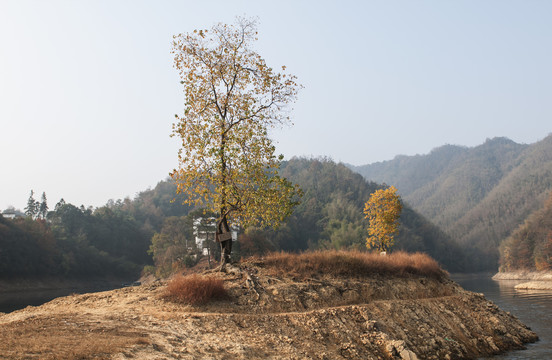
pixel 383 210
pixel 232 99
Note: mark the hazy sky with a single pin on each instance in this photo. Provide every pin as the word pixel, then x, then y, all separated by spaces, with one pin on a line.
pixel 88 92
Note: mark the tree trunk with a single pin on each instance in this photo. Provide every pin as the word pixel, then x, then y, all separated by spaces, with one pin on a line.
pixel 224 237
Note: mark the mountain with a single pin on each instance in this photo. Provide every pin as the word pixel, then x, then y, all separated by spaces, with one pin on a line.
pixel 477 195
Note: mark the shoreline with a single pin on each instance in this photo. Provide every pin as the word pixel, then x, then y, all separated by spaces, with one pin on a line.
pixel 535 280
pixel 535 285
pixel 22 285
pixel 524 275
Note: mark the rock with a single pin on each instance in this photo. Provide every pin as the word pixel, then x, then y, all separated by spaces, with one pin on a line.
pixel 408 355
pixel 535 285
pixel 524 275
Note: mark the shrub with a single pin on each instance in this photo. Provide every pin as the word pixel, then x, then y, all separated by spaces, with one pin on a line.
pixel 148 270
pixel 195 289
pixel 352 263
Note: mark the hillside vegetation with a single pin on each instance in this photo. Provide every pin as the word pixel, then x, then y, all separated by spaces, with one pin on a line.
pixel 329 216
pixel 74 243
pixel 530 245
pixel 114 240
pixel 479 195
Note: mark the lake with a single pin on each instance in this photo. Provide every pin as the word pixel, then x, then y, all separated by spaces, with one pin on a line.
pixel 532 307
pixel 15 300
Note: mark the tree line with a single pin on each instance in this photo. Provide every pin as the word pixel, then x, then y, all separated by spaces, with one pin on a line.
pixel 72 242
pixel 156 229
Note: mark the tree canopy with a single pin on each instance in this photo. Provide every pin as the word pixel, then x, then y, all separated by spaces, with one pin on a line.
pixel 383 210
pixel 227 161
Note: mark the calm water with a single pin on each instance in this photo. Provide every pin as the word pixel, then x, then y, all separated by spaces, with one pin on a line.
pixel 15 300
pixel 532 307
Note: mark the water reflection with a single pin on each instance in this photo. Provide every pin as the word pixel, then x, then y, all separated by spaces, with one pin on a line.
pixel 532 307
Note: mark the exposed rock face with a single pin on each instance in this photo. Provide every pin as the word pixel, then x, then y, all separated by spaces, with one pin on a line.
pixel 270 318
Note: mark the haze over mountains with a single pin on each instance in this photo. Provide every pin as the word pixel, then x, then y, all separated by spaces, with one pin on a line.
pixel 477 195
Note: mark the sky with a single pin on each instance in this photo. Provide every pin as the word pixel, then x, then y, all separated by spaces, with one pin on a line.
pixel 88 91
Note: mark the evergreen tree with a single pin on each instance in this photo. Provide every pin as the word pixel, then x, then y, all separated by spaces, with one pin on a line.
pixel 32 206
pixel 43 208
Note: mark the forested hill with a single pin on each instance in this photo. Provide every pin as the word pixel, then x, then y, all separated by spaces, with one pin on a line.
pixel 476 195
pixel 530 245
pixel 113 240
pixel 331 215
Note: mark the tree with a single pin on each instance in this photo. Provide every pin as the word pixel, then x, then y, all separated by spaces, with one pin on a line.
pixel 60 204
pixel 174 247
pixel 32 207
pixel 232 99
pixel 383 210
pixel 43 207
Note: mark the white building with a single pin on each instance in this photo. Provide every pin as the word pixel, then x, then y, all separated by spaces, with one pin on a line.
pixel 12 213
pixel 204 232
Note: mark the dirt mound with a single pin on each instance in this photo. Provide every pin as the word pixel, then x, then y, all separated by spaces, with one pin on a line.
pixel 268 316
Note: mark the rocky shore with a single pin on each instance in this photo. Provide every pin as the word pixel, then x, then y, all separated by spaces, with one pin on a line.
pixel 535 285
pixel 524 275
pixel 539 280
pixel 267 317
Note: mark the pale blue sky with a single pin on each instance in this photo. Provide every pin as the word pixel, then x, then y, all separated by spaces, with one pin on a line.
pixel 88 93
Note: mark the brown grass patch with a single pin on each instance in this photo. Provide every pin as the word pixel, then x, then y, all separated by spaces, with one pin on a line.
pixel 53 338
pixel 195 289
pixel 352 264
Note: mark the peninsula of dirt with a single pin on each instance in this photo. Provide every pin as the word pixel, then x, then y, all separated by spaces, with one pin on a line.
pixel 271 316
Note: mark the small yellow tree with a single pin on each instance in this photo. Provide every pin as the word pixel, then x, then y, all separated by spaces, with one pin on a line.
pixel 383 210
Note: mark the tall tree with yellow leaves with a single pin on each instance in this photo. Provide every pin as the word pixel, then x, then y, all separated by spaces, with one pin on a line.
pixel 232 100
pixel 383 211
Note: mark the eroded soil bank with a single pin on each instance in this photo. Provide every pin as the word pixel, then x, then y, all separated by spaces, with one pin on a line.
pixel 268 317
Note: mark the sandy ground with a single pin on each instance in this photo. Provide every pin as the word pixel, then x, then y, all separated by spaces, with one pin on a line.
pixel 269 318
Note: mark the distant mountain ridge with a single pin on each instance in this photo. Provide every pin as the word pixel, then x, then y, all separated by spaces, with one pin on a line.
pixel 477 195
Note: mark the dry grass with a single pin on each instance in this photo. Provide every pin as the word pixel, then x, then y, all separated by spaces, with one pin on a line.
pixel 195 289
pixel 352 264
pixel 53 338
